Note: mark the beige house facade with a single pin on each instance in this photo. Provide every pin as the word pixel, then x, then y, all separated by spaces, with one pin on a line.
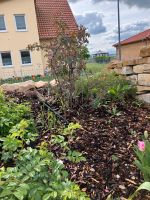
pixel 21 24
pixel 130 48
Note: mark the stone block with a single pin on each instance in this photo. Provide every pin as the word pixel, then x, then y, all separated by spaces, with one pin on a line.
pixel 143 89
pixel 144 79
pixel 145 52
pixel 41 84
pixel 20 87
pixel 127 70
pixel 146 60
pixel 139 69
pixel 144 97
pixel 118 70
pixel 129 62
pixel 139 61
pixel 133 79
pixel 53 83
pixel 115 64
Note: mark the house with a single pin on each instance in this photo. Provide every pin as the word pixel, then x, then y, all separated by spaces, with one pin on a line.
pixel 130 48
pixel 100 53
pixel 26 22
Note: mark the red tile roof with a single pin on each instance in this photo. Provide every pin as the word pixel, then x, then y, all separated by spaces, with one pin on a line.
pixel 48 12
pixel 136 38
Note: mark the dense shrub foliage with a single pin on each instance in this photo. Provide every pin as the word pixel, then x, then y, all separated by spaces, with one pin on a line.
pixel 102 87
pixel 11 114
pixel 102 59
pixel 37 175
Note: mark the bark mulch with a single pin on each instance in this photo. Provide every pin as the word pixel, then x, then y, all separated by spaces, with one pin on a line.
pixel 107 141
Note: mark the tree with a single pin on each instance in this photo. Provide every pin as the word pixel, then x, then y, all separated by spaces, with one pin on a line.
pixel 66 59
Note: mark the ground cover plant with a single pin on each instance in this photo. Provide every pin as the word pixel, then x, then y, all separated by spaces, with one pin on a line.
pixel 28 170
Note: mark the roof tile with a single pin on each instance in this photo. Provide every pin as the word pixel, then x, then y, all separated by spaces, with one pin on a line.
pixel 48 12
pixel 136 38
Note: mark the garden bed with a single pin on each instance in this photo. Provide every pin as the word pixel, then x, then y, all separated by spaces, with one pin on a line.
pixel 107 141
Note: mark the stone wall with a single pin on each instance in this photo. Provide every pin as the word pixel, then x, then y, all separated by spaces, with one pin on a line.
pixel 137 71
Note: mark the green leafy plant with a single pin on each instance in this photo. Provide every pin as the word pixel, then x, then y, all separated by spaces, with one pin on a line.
pixel 143 186
pixel 102 88
pixel 20 135
pixel 114 112
pixel 75 156
pixel 59 139
pixel 37 175
pixel 11 114
pixel 121 91
pixel 70 130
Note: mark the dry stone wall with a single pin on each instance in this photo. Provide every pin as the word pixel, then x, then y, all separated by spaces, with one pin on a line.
pixel 137 71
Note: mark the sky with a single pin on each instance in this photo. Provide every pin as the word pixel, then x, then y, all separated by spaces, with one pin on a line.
pixel 100 18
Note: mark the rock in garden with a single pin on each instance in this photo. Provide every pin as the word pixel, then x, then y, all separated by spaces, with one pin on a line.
pixel 144 97
pixel 139 69
pixel 20 87
pixel 144 79
pixel 41 84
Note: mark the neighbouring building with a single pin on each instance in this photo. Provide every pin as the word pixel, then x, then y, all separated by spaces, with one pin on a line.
pixel 100 53
pixel 24 22
pixel 130 48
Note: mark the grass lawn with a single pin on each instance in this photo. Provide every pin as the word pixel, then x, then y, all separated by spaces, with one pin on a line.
pixel 95 67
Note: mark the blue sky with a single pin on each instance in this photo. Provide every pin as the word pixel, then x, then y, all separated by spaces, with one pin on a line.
pixel 100 17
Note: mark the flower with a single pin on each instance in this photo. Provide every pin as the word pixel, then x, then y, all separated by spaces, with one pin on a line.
pixel 141 145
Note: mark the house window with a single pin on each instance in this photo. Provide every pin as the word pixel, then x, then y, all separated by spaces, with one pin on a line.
pixel 25 57
pixel 6 58
pixel 2 24
pixel 20 22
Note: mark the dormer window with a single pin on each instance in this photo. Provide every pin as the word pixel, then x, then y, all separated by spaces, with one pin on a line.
pixel 20 23
pixel 2 24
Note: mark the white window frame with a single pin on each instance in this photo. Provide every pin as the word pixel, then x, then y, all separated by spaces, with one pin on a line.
pixel 20 30
pixel 29 64
pixel 4 31
pixel 1 61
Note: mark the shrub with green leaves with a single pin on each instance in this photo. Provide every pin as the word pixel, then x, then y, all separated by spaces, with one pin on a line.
pixel 38 176
pixel 11 114
pixel 102 87
pixel 19 136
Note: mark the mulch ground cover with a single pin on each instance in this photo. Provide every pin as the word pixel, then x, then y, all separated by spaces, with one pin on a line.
pixel 107 141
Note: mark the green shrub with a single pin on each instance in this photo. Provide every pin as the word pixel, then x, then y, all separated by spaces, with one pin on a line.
pixel 104 87
pixel 19 136
pixel 38 175
pixel 11 114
